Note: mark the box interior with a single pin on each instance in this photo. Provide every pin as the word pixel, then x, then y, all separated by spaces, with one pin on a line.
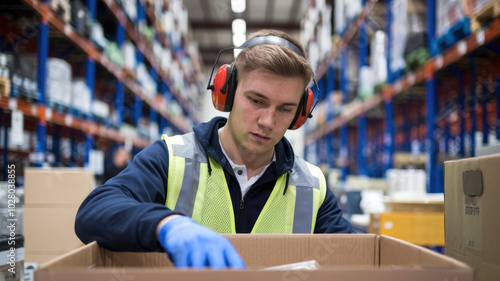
pixel 261 251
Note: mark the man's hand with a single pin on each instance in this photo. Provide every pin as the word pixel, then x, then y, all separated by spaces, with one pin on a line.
pixel 189 244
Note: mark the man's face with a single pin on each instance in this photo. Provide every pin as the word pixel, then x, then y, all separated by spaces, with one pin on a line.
pixel 263 109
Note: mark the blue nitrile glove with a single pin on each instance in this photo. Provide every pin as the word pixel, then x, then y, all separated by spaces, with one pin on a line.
pixel 189 244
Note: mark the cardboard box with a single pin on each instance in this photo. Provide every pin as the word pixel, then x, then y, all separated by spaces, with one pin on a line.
pixel 472 224
pixel 340 256
pixel 425 229
pixel 52 198
pixel 50 231
pixel 57 186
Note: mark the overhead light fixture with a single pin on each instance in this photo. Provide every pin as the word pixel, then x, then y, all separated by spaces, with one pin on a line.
pixel 239 26
pixel 238 6
pixel 239 39
pixel 236 52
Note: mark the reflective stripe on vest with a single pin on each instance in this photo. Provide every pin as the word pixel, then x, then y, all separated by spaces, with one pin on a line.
pixel 207 200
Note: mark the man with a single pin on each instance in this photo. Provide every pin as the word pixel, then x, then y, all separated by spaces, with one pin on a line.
pixel 119 162
pixel 238 175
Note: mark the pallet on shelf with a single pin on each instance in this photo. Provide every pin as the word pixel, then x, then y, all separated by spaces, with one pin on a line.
pixel 457 32
pixel 484 15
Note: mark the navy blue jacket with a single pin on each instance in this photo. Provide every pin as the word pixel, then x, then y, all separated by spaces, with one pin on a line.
pixel 123 213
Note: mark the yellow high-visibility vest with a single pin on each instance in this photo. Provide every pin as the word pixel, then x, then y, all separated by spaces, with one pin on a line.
pixel 193 192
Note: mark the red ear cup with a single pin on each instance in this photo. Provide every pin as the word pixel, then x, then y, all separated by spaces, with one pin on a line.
pixel 219 92
pixel 224 88
pixel 301 115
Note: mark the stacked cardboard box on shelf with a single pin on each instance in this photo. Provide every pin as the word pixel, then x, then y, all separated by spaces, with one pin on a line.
pixel 472 227
pixel 340 257
pixel 52 198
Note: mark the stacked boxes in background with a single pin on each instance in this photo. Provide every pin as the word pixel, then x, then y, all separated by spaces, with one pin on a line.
pixel 58 83
pixel 448 13
pixel 408 37
pixel 52 199
pixel 452 24
pixel 472 225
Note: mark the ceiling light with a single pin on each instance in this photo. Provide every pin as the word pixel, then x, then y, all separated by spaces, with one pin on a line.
pixel 236 52
pixel 239 39
pixel 238 6
pixel 239 26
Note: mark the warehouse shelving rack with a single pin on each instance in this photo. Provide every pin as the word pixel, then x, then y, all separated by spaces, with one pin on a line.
pixel 457 62
pixel 88 126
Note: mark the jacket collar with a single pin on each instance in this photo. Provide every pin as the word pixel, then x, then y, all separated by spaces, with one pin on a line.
pixel 207 135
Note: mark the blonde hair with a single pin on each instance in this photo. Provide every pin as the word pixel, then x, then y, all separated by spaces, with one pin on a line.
pixel 275 58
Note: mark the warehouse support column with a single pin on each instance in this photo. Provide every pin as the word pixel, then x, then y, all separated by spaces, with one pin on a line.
pixel 471 107
pixel 119 103
pixel 153 115
pixel 41 126
pixel 362 126
pixel 484 102
pixel 431 146
pixel 497 96
pixel 90 80
pixel 166 95
pixel 461 104
pixel 344 153
pixel 330 91
pixel 388 136
pixel 388 139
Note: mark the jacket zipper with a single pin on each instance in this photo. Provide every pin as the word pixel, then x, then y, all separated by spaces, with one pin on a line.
pixel 242 204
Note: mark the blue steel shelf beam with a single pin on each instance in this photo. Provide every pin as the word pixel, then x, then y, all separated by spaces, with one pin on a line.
pixel 431 22
pixel 388 105
pixel 461 108
pixel 344 151
pixel 362 124
pixel 153 115
pixel 497 97
pixel 330 90
pixel 119 92
pixel 56 145
pixel 138 100
pixel 41 126
pixel 90 80
pixel 471 107
pixel 484 101
pixel 165 92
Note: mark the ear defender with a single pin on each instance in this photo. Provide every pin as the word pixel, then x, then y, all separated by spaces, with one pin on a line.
pixel 224 87
pixel 225 82
pixel 303 111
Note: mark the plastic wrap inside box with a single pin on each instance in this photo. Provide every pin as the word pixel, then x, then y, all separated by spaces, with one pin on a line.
pixel 448 13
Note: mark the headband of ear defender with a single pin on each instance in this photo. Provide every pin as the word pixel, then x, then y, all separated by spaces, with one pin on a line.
pixel 225 81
